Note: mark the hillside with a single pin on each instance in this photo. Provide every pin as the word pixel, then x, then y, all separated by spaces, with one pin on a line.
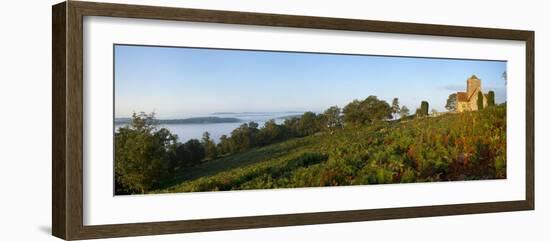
pixel 466 146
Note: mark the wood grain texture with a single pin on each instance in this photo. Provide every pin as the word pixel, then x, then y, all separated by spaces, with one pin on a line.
pixel 59 193
pixel 279 20
pixel 67 154
pixel 122 230
pixel 530 120
pixel 74 110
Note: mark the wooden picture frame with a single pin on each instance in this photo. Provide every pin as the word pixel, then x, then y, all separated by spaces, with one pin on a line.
pixel 67 123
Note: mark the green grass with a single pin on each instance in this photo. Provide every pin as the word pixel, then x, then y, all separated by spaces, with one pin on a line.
pixel 467 146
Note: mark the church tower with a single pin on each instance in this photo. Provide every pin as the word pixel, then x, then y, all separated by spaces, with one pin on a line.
pixel 473 84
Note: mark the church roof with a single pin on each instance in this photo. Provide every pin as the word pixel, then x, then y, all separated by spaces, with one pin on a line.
pixel 462 96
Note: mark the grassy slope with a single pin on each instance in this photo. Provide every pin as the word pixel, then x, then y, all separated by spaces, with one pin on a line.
pixel 464 146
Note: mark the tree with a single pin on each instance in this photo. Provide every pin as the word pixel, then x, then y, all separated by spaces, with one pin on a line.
pixel 224 146
pixel 308 124
pixel 451 102
pixel 404 112
pixel 271 132
pixel 210 149
pixel 479 100
pixel 142 154
pixel 332 118
pixel 190 153
pixel 367 111
pixel 424 106
pixel 244 137
pixel 491 98
pixel 291 125
pixel 395 107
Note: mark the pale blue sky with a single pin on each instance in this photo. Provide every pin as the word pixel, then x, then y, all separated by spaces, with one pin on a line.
pixel 183 82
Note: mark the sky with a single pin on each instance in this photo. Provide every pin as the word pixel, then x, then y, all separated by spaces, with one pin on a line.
pixel 177 82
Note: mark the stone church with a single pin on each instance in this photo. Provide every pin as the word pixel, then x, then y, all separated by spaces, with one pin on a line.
pixel 467 101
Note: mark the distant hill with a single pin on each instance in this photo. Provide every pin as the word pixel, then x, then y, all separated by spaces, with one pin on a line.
pixel 119 121
pixel 257 113
pixel 193 120
pixel 224 113
pixel 289 116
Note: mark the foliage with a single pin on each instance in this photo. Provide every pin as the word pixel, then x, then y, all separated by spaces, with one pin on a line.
pixel 479 100
pixel 465 146
pixel 451 102
pixel 309 124
pixel 424 106
pixel 142 154
pixel 272 132
pixel 248 135
pixel 210 150
pixel 491 98
pixel 404 112
pixel 395 107
pixel 189 154
pixel 315 150
pixel 244 137
pixel 333 119
pixel 224 146
pixel 366 111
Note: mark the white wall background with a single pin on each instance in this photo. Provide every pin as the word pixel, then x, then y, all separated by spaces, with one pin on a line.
pixel 25 104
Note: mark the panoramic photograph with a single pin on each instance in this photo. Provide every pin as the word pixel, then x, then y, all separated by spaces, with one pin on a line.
pixel 203 119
